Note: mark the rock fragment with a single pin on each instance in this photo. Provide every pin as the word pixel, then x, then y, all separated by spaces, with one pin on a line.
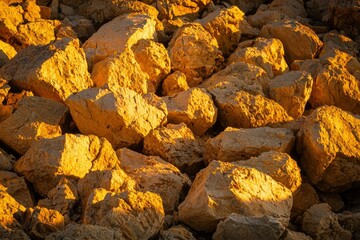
pixel 174 83
pixel 17 188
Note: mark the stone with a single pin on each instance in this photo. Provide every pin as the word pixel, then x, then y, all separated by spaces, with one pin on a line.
pixel 17 188
pixel 193 107
pixel 290 8
pixel 10 18
pixel 320 223
pixel 241 144
pixel 176 144
pixel 35 118
pixel 170 9
pixel 6 52
pixel 49 160
pixel 194 52
pixel 155 175
pixel 237 226
pixel 246 6
pixel 224 188
pixel 304 198
pixel 334 40
pixel 333 199
pixel 292 91
pixel 351 222
pixel 6 161
pixel 114 36
pixel 4 90
pixel 292 235
pixel 265 53
pixel 263 17
pixel 137 215
pixel 48 71
pixel 83 27
pixel 328 143
pixel 174 83
pixel 176 233
pixel 129 117
pixel 289 30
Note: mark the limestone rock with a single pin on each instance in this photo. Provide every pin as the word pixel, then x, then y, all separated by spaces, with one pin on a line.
pixel 10 18
pixel 292 90
pixel 320 223
pixel 237 226
pixel 194 52
pixel 35 118
pixel 124 117
pixel 329 146
pixel 48 71
pixel 31 10
pixel 290 30
pixel 6 52
pixel 177 145
pixel 246 6
pixel 223 188
pixel 265 53
pixel 304 198
pixel 290 8
pixel 334 40
pixel 82 26
pixel 176 233
pixel 6 161
pixel 155 175
pixel 137 215
pixel 264 16
pixel 241 144
pixel 174 83
pixel 292 235
pixel 114 36
pixel 48 160
pixel 169 9
pixel 193 107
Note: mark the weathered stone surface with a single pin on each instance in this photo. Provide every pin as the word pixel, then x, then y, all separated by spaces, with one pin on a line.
pixel 193 107
pixel 176 233
pixel 174 83
pixel 137 215
pixel 241 144
pixel 291 8
pixel 128 116
pixel 246 6
pixel 223 188
pixel 261 17
pixel 320 223
pixel 329 146
pixel 170 9
pixel 82 26
pixel 48 71
pixel 10 18
pixel 334 40
pixel 35 118
pixel 6 52
pixel 333 199
pixel 6 161
pixel 304 198
pixel 265 53
pixel 177 145
pixel 114 36
pixel 292 235
pixel 351 222
pixel 48 160
pixel 291 33
pixel 237 226
pixel 292 90
pixel 155 175
pixel 31 10
pixel 194 52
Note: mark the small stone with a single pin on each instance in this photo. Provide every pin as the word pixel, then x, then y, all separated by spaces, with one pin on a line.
pixel 174 83
pixel 304 198
pixel 17 188
pixel 176 233
pixel 6 52
pixel 292 235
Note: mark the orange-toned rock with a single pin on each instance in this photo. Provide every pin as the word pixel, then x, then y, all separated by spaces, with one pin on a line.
pixel 170 9
pixel 16 187
pixel 31 10
pixel 304 198
pixel 174 83
pixel 35 118
pixel 292 235
pixel 246 6
pixel 176 232
pixel 6 161
pixel 6 52
pixel 334 40
pixel 291 8
pixel 126 120
pixel 10 18
pixel 82 26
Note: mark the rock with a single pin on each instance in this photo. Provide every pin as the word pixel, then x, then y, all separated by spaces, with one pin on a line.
pixel 194 52
pixel 170 9
pixel 334 40
pixel 351 222
pixel 224 188
pixel 304 198
pixel 264 16
pixel 6 161
pixel 6 52
pixel 48 71
pixel 137 215
pixel 292 91
pixel 114 36
pixel 241 144
pixel 334 200
pixel 129 117
pixel 320 223
pixel 35 118
pixel 176 233
pixel 10 18
pixel 4 90
pixel 177 145
pixel 193 107
pixel 246 6
pixel 48 160
pixel 155 175
pixel 82 26
pixel 291 235
pixel 290 8
pixel 237 226
pixel 174 83
pixel 329 152
pixel 287 31
pixel 17 188
pixel 265 53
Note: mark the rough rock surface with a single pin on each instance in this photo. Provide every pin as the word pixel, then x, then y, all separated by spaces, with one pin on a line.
pixel 170 9
pixel 6 52
pixel 246 6
pixel 174 83
pixel 176 233
pixel 329 146
pixel 292 235
pixel 128 115
pixel 6 161
pixel 304 198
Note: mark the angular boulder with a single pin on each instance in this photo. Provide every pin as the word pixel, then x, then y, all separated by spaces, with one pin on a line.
pixel 304 198
pixel 181 8
pixel 6 52
pixel 176 232
pixel 174 83
pixel 17 188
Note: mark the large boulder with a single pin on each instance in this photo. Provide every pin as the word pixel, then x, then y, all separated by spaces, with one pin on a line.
pixel 129 117
pixel 329 146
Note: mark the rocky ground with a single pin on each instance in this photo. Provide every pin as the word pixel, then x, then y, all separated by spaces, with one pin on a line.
pixel 179 119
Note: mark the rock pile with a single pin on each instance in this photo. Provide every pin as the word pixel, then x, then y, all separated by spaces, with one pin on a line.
pixel 179 119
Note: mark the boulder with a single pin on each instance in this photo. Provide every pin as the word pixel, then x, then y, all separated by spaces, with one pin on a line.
pixel 6 52
pixel 6 161
pixel 288 31
pixel 49 160
pixel 265 53
pixel 246 6
pixel 350 221
pixel 291 8
pixel 224 188
pixel 334 40
pixel 194 52
pixel 333 199
pixel 10 18
pixel 264 16
pixel 174 83
pixel 329 152
pixel 48 71
pixel 155 175
pixel 83 27
pixel 292 235
pixel 292 90
pixel 193 107
pixel 35 118
pixel 304 198
pixel 176 233
pixel 170 9
pixel 17 188
pixel 137 215
pixel 177 145
pixel 129 117
pixel 320 223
